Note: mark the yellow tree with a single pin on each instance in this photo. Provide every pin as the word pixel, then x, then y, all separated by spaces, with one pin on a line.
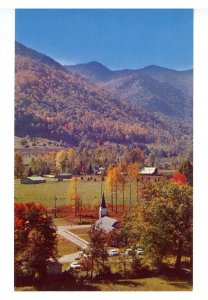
pixel 137 182
pixel 51 161
pixel 132 174
pixel 77 165
pixel 109 182
pixel 113 180
pixel 18 165
pixel 61 160
pixel 71 159
pixel 116 179
pixel 74 196
pixel 122 178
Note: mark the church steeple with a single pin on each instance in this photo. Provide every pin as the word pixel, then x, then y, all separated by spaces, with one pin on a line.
pixel 103 210
pixel 103 205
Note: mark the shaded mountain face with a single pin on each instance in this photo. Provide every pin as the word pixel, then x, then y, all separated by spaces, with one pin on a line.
pixel 157 89
pixel 53 102
pixel 93 71
pixel 182 80
pixel 153 95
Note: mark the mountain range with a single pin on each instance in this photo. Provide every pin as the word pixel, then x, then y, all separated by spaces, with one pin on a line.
pixel 155 88
pixel 91 102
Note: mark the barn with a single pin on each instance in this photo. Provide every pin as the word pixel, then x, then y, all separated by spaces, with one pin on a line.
pixel 148 171
pixel 62 176
pixel 33 180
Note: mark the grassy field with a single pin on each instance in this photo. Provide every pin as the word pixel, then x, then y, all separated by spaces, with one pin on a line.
pixel 145 284
pixel 45 193
pixel 65 247
pixel 130 285
pixel 80 231
pixel 62 222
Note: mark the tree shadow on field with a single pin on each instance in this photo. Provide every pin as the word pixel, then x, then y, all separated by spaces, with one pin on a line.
pixel 173 273
pixel 182 279
pixel 180 285
pixel 128 283
pixel 63 282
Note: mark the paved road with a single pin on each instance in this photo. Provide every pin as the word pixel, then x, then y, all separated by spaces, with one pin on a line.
pixel 69 236
pixel 68 227
pixel 63 231
pixel 69 258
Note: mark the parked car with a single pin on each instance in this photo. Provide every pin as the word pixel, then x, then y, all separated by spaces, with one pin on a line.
pixel 131 251
pixel 139 251
pixel 75 265
pixel 113 252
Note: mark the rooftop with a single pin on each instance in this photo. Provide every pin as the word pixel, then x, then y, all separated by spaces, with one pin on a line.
pixel 36 178
pixel 106 223
pixel 148 170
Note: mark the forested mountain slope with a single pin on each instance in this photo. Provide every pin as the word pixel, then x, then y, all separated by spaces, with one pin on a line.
pixel 53 102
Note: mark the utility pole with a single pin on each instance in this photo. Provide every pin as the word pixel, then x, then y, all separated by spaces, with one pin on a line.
pixel 101 187
pixel 101 184
pixel 55 199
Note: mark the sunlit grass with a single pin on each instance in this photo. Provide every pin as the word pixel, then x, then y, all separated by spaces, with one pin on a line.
pixel 65 247
pixel 79 231
pixel 45 193
pixel 145 284
pixel 62 222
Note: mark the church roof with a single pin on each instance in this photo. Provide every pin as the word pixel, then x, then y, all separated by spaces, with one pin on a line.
pixel 106 223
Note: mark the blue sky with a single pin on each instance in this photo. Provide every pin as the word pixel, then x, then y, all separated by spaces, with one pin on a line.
pixel 116 38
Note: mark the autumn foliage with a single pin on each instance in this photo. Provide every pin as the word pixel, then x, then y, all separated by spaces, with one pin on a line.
pixel 51 101
pixel 179 178
pixel 34 239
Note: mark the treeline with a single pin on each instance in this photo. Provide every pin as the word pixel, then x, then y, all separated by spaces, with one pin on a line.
pixel 82 160
pixel 88 157
pixel 125 178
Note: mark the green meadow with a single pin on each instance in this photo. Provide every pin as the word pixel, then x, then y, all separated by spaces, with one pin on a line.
pixel 45 193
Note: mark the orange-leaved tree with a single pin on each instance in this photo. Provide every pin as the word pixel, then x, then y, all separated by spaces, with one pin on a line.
pixel 179 178
pixel 34 239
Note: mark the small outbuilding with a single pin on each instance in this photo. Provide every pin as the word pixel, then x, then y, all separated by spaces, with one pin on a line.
pixel 101 171
pixel 33 180
pixel 62 176
pixel 54 267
